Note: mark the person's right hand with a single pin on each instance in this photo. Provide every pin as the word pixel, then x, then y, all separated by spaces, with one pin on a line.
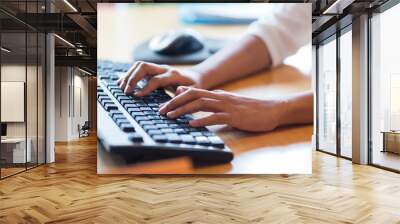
pixel 157 75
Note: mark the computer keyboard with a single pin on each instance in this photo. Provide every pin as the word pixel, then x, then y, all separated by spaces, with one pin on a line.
pixel 132 126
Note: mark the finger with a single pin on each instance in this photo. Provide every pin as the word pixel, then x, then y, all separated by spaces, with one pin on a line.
pixel 185 97
pixel 122 81
pixel 181 89
pixel 141 71
pixel 202 104
pixel 214 119
pixel 153 84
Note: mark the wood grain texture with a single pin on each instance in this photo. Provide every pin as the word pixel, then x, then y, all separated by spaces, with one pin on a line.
pixel 69 191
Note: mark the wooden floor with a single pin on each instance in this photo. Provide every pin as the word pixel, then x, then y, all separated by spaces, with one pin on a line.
pixel 69 191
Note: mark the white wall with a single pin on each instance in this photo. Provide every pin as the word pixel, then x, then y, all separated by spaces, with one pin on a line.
pixel 33 126
pixel 12 73
pixel 71 93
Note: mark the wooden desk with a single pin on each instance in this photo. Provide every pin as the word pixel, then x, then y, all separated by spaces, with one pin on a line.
pixel 285 150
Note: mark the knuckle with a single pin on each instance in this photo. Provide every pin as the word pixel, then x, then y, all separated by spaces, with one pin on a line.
pixel 191 92
pixel 196 93
pixel 138 63
pixel 173 72
pixel 143 65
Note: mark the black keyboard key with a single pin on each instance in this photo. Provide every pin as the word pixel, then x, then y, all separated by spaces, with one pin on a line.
pixel 141 118
pixel 173 125
pixel 142 123
pixel 158 121
pixel 118 117
pixel 111 84
pixel 123 97
pixel 102 77
pixel 109 107
pixel 188 139
pixel 167 130
pixel 201 140
pixel 145 109
pixel 102 98
pixel 150 112
pixel 162 125
pixel 124 102
pixel 179 131
pixel 114 77
pixel 131 109
pixel 105 102
pixel 121 122
pixel 149 127
pixel 115 90
pixel 160 138
pixel 181 121
pixel 140 103
pixel 174 138
pixel 127 128
pixel 100 94
pixel 135 114
pixel 195 134
pixel 154 132
pixel 216 142
pixel 207 133
pixel 135 137
pixel 112 112
pixel 118 94
pixel 153 117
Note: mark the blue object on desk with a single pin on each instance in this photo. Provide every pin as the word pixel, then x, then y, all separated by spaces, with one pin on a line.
pixel 216 14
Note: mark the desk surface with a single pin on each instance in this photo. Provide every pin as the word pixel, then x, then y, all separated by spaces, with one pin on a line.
pixel 285 150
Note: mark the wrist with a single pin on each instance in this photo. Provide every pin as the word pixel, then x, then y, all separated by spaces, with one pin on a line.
pixel 296 109
pixel 200 76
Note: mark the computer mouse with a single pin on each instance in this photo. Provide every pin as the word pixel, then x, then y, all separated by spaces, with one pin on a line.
pixel 177 42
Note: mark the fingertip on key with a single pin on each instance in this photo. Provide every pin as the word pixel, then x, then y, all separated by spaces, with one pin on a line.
pixel 193 123
pixel 171 114
pixel 138 93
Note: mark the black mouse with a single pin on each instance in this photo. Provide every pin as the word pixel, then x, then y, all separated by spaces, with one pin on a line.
pixel 177 42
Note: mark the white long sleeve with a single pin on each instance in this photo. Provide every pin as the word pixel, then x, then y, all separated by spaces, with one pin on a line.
pixel 284 29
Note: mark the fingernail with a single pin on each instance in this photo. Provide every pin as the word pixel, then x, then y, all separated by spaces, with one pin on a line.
pixel 193 123
pixel 161 111
pixel 180 89
pixel 138 93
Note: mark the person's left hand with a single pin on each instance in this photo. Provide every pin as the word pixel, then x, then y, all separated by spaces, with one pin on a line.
pixel 227 108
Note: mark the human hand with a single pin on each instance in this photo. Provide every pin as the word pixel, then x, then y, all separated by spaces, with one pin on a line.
pixel 227 108
pixel 157 75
